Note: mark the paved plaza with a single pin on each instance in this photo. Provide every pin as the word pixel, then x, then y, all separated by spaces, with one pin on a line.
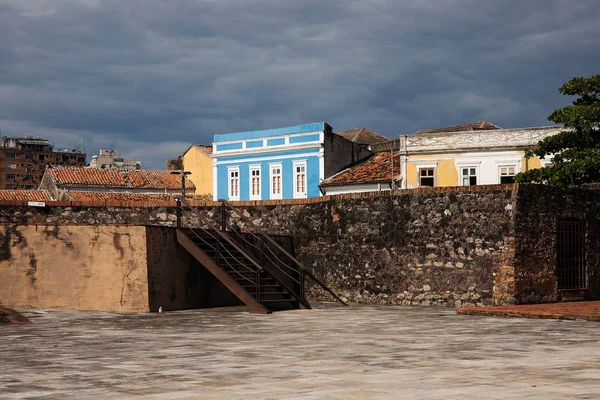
pixel 333 352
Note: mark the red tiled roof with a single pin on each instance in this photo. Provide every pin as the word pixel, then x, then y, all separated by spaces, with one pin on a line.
pixel 204 148
pixel 25 195
pixel 363 136
pixel 87 176
pixel 375 169
pixel 108 196
pixel 469 126
pixel 96 196
pixel 157 180
pixel 115 178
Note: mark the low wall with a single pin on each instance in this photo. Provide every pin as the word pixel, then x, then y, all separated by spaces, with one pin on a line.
pixel 452 247
pixel 77 267
pixel 427 247
pixel 106 267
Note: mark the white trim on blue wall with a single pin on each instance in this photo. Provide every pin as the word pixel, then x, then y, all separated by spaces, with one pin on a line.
pixel 266 148
pixel 279 168
pixel 214 179
pixel 233 195
pixel 271 158
pixel 252 170
pixel 321 167
pixel 295 165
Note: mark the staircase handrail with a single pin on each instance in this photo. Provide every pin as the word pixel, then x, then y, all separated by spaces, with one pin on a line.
pixel 282 250
pixel 219 233
pixel 238 248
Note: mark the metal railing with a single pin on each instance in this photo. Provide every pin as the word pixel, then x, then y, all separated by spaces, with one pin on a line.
pixel 216 243
pixel 221 233
pixel 268 248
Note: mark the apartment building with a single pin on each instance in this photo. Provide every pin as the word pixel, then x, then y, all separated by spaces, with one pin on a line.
pixel 109 159
pixel 23 161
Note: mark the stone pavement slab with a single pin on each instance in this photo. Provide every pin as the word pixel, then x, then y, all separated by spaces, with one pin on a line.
pixel 577 310
pixel 333 352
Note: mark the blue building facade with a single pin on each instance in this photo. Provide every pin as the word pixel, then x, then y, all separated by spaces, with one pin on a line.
pixel 282 163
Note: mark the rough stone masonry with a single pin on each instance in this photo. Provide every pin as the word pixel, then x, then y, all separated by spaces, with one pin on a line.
pixel 453 247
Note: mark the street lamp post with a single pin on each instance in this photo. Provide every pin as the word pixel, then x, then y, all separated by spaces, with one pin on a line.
pixel 183 174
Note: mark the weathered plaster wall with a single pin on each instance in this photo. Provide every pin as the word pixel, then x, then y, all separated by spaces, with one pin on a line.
pixel 77 267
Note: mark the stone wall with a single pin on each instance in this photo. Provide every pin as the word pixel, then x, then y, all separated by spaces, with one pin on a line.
pixel 537 215
pixel 445 246
pixel 427 247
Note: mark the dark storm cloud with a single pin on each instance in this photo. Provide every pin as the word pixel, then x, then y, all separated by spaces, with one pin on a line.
pixel 153 76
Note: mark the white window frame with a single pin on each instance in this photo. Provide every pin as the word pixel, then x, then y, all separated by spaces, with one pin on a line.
pixel 420 167
pixel 251 170
pixel 229 183
pixel 272 195
pixel 506 166
pixel 468 166
pixel 300 195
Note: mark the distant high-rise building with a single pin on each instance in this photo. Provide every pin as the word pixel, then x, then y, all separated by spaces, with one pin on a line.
pixel 109 159
pixel 24 160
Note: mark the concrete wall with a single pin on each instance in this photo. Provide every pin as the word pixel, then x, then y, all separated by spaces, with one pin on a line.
pixel 176 280
pixel 107 267
pixel 77 267
pixel 340 153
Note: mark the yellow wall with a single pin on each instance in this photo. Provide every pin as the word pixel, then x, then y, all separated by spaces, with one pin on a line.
pixel 534 162
pixel 446 173
pixel 411 174
pixel 201 168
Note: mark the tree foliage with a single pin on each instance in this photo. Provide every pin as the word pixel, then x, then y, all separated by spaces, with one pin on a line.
pixel 575 152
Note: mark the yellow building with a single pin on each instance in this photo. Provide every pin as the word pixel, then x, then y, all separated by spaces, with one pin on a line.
pixel 197 160
pixel 477 153
pixel 486 156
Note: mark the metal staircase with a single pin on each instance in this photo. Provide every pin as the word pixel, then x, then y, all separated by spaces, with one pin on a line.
pixel 254 267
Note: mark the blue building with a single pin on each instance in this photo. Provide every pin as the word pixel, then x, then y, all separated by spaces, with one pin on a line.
pixel 282 163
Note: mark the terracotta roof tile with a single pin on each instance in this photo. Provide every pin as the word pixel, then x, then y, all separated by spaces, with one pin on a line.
pixel 363 136
pixel 375 169
pixel 87 176
pixel 79 176
pixel 204 148
pixel 469 126
pixel 25 195
pixel 96 196
pixel 157 180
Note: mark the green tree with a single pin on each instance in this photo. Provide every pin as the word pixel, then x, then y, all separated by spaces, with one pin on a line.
pixel 575 152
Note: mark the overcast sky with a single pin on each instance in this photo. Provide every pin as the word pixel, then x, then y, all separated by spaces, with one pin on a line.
pixel 151 77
